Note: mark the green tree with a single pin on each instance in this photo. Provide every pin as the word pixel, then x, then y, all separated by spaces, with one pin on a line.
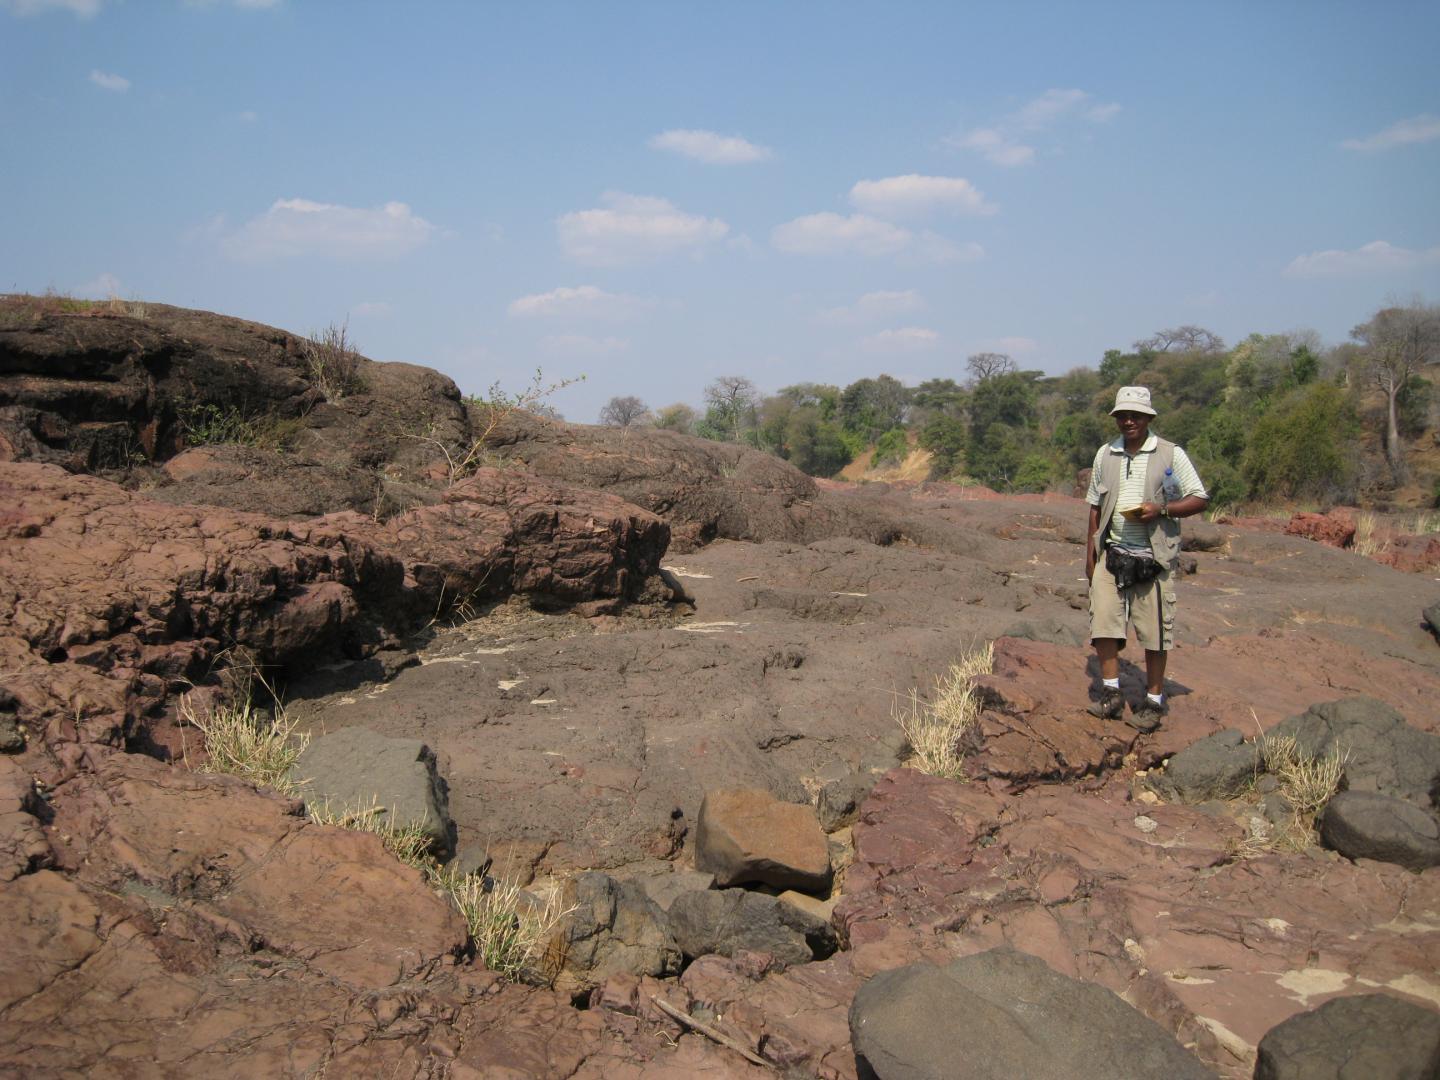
pixel 890 449
pixel 1303 447
pixel 944 437
pixel 869 407
pixel 1120 369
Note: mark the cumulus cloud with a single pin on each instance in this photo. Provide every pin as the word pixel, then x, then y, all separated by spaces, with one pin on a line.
pixel 1376 257
pixel 116 84
pixel 581 302
pixel 1417 129
pixel 831 234
pixel 904 339
pixel 1008 142
pixel 300 227
pixel 709 147
pixel 632 229
pixel 875 305
pixel 581 345
pixel 84 9
pixel 910 195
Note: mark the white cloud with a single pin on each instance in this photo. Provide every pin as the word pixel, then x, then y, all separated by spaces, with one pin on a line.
pixel 299 227
pixel 372 308
pixel 831 234
pixel 875 305
pixel 116 84
pixel 84 9
pixel 709 147
pixel 632 229
pixel 1417 129
pixel 104 287
pixel 994 147
pixel 580 345
pixel 1376 257
pixel 902 196
pixel 581 302
pixel 1007 142
pixel 905 339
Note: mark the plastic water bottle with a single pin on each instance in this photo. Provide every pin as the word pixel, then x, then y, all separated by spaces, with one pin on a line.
pixel 1170 486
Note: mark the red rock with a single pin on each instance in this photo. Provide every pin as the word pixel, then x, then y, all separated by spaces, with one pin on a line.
pixel 1336 528
pixel 747 835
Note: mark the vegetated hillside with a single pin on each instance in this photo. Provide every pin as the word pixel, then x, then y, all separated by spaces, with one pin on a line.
pixel 1275 419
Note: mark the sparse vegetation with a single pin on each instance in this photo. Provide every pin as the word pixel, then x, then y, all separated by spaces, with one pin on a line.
pixel 334 362
pixel 1306 782
pixel 510 929
pixel 487 413
pixel 936 727
pixel 244 740
pixel 214 425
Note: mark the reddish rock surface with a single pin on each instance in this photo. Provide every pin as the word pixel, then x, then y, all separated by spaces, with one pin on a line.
pixel 1337 528
pixel 169 923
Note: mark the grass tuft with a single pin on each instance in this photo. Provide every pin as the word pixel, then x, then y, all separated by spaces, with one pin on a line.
pixel 334 362
pixel 407 841
pixel 245 741
pixel 936 727
pixel 511 931
pixel 1307 782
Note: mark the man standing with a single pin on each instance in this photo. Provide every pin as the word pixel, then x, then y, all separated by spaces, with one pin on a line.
pixel 1140 486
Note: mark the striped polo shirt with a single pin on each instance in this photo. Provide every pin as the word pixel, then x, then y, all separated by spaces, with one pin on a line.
pixel 1123 531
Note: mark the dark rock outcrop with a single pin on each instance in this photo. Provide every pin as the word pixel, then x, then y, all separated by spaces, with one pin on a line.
pixel 1212 768
pixel 614 928
pixel 1003 1014
pixel 1367 825
pixel 731 921
pixel 1384 754
pixel 1364 1035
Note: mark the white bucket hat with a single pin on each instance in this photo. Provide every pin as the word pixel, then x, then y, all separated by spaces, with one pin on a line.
pixel 1133 399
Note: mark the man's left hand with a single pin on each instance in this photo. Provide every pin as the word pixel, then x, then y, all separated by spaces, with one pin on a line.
pixel 1149 511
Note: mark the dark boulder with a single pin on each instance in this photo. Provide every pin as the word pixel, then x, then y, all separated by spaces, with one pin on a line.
pixel 1364 825
pixel 1362 1037
pixel 727 921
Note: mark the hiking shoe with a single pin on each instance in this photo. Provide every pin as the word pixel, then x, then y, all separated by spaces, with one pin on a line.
pixel 1146 716
pixel 1110 705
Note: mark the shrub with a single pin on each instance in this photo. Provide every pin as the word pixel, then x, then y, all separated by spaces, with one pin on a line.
pixel 936 728
pixel 334 362
pixel 213 425
pixel 891 449
pixel 1303 448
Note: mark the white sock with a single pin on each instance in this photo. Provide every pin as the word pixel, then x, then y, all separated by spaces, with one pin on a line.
pixel 1112 684
pixel 1158 699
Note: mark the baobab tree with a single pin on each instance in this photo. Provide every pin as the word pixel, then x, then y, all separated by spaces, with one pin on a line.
pixel 1396 343
pixel 624 412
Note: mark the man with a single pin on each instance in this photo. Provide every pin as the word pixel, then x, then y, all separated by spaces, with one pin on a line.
pixel 1140 486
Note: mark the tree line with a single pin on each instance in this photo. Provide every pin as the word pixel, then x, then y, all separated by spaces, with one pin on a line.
pixel 1273 417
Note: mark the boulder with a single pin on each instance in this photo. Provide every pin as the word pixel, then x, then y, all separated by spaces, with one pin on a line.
pixel 354 769
pixel 1336 529
pixel 1003 1014
pixel 1432 619
pixel 614 929
pixel 1212 768
pixel 1385 754
pixel 663 888
pixel 728 921
pixel 747 835
pixel 1365 825
pixel 1373 1036
pixel 841 792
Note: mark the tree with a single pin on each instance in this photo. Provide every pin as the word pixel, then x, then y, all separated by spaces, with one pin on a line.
pixel 1181 339
pixel 1002 419
pixel 869 407
pixel 732 400
pixel 624 412
pixel 1303 447
pixel 944 437
pixel 986 365
pixel 1120 369
pixel 678 417
pixel 1397 342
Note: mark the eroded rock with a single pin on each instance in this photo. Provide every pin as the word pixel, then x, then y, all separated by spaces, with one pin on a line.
pixel 747 835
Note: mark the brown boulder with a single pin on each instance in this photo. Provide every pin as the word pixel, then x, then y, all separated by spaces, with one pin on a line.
pixel 1336 528
pixel 747 835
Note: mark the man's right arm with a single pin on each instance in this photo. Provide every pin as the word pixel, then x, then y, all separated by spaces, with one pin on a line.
pixel 1090 531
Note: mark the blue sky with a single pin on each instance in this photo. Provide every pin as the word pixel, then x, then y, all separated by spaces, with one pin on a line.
pixel 653 195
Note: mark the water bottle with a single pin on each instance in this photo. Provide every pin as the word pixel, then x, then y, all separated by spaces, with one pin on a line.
pixel 1170 486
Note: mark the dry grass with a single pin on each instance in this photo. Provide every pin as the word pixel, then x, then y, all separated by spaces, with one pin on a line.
pixel 245 741
pixel 407 841
pixel 1365 543
pixel 511 931
pixel 936 727
pixel 334 362
pixel 1307 782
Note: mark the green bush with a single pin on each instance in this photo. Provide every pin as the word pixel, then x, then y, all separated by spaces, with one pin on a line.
pixel 1303 448
pixel 891 449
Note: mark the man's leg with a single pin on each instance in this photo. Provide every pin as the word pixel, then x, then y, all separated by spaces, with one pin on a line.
pixel 1154 671
pixel 1107 651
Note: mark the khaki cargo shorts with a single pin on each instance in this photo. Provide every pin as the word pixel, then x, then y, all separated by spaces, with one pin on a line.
pixel 1150 611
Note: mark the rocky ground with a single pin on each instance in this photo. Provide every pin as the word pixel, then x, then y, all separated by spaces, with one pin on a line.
pixel 592 632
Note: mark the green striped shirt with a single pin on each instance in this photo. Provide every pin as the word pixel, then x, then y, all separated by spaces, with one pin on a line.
pixel 1123 531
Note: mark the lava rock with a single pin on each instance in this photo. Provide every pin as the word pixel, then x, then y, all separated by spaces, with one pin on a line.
pixel 1374 1036
pixel 1212 768
pixel 727 921
pixel 1364 825
pixel 747 835
pixel 1003 1014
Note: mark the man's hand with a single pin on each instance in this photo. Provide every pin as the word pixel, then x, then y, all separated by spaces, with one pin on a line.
pixel 1149 512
